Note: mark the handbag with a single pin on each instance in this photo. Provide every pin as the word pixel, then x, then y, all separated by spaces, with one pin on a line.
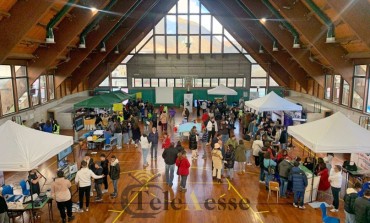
pixel 271 169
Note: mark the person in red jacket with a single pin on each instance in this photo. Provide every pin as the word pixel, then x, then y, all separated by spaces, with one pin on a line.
pixel 324 183
pixel 183 169
pixel 205 118
pixel 166 141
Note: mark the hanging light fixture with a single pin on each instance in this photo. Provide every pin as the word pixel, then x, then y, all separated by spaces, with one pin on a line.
pixel 274 47
pixel 50 36
pixel 296 44
pixel 330 38
pixel 116 51
pixel 82 44
pixel 261 49
pixel 103 49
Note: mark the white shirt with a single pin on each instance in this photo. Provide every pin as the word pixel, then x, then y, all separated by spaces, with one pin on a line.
pixel 144 142
pixel 257 147
pixel 335 178
pixel 83 177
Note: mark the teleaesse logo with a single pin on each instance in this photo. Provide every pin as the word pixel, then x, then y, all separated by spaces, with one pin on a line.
pixel 139 200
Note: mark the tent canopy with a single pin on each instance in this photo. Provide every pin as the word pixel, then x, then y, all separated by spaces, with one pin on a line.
pixel 24 148
pixel 222 90
pixel 104 101
pixel 334 134
pixel 272 102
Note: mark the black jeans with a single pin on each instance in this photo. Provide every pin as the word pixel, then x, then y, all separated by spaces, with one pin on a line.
pixel 211 135
pixel 99 193
pixel 183 181
pixel 335 191
pixel 257 160
pixel 84 191
pixel 62 208
pixel 105 181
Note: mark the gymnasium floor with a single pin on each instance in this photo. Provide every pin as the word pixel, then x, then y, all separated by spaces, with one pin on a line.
pixel 144 196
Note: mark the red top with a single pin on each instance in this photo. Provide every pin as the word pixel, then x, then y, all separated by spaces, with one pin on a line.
pixel 324 180
pixel 166 143
pixel 269 150
pixel 205 117
pixel 183 165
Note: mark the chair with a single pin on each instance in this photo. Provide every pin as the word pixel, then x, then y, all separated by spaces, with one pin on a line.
pixel 7 189
pixel 325 218
pixel 109 143
pixel 274 186
pixel 25 190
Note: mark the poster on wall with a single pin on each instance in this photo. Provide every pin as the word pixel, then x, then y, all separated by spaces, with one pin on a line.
pixel 188 102
pixel 362 160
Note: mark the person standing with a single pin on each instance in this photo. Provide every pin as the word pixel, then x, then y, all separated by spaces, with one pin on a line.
pixel 270 166
pixel 166 141
pixel 335 179
pixel 193 144
pixel 3 208
pixel 299 180
pixel 145 145
pixel 217 162
pixel 163 119
pixel 91 166
pixel 33 179
pixel 362 208
pixel 60 192
pixel 204 142
pixel 56 127
pixel 153 139
pixel 349 202
pixel 240 156
pixel 83 179
pixel 114 174
pixel 98 182
pixel 170 155
pixel 105 165
pixel 183 170
pixel 118 133
pixel 285 168
pixel 212 129
pixel 198 108
pixel 229 160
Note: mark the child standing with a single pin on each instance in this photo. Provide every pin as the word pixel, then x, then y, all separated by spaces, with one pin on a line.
pixel 229 161
pixel 183 165
pixel 217 162
pixel 204 142
pixel 98 182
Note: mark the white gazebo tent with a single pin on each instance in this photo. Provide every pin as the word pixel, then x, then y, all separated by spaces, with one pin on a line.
pixel 24 149
pixel 334 134
pixel 221 90
pixel 272 102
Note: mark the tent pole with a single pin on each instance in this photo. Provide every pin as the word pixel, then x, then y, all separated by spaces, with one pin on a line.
pixel 313 178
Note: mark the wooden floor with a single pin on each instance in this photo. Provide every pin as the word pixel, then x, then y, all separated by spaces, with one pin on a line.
pixel 144 197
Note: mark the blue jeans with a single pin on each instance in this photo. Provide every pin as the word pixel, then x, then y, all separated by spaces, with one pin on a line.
pixel 269 177
pixel 183 181
pixel 230 173
pixel 283 186
pixel 262 174
pixel 115 186
pixel 350 218
pixel 154 147
pixel 119 140
pixel 126 138
pixel 248 155
pixel 145 152
pixel 224 138
pixel 298 195
pixel 170 169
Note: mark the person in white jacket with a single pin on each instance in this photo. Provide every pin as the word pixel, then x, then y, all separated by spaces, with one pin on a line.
pixel 335 179
pixel 145 145
pixel 212 129
pixel 83 180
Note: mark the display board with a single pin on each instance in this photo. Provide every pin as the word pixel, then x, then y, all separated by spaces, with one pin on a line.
pixel 164 95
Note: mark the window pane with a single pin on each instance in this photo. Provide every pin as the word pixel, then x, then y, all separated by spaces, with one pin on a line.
pixel 258 71
pixel 205 24
pixel 5 71
pixel 142 42
pixel 205 44
pixel 104 83
pixel 194 47
pixel 345 93
pixel 22 91
pixel 216 26
pixel 171 44
pixel 51 87
pixel 43 90
pixel 138 82
pixel 160 44
pixel 162 82
pixel 206 82
pixel 35 92
pixel 228 47
pixel 328 86
pixel 171 24
pixel 194 6
pixel 170 82
pixel 173 10
pixel 360 70
pixel 146 82
pixel 148 48
pixel 358 93
pixel 154 82
pixel 257 82
pixel 20 71
pixel 198 82
pixel 182 6
pixel 239 82
pixel 214 82
pixel 7 97
pixel 183 44
pixel 223 81
pixel 194 24
pixel 230 82
pixel 119 82
pixel 203 9
pixel 336 88
pixel 216 44
pixel 179 82
pixel 182 21
pixel 120 71
pixel 261 92
pixel 127 58
pixel 159 28
pixel 273 83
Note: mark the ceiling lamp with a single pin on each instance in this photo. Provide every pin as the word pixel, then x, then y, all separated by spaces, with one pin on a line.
pixel 103 49
pixel 261 49
pixel 116 51
pixel 274 47
pixel 50 36
pixel 330 38
pixel 82 44
pixel 296 44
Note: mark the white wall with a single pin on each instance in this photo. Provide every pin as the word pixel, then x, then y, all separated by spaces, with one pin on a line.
pixel 40 112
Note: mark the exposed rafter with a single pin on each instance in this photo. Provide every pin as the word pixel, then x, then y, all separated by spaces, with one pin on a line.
pixel 22 19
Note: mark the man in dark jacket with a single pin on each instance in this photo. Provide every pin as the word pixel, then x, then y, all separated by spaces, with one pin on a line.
pixel 362 208
pixel 153 139
pixel 98 182
pixel 299 179
pixel 105 165
pixel 284 170
pixel 349 202
pixel 169 155
pixel 114 174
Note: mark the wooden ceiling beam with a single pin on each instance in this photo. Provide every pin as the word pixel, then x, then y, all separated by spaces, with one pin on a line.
pixel 358 55
pixel 21 56
pixel 22 19
pixel 4 14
